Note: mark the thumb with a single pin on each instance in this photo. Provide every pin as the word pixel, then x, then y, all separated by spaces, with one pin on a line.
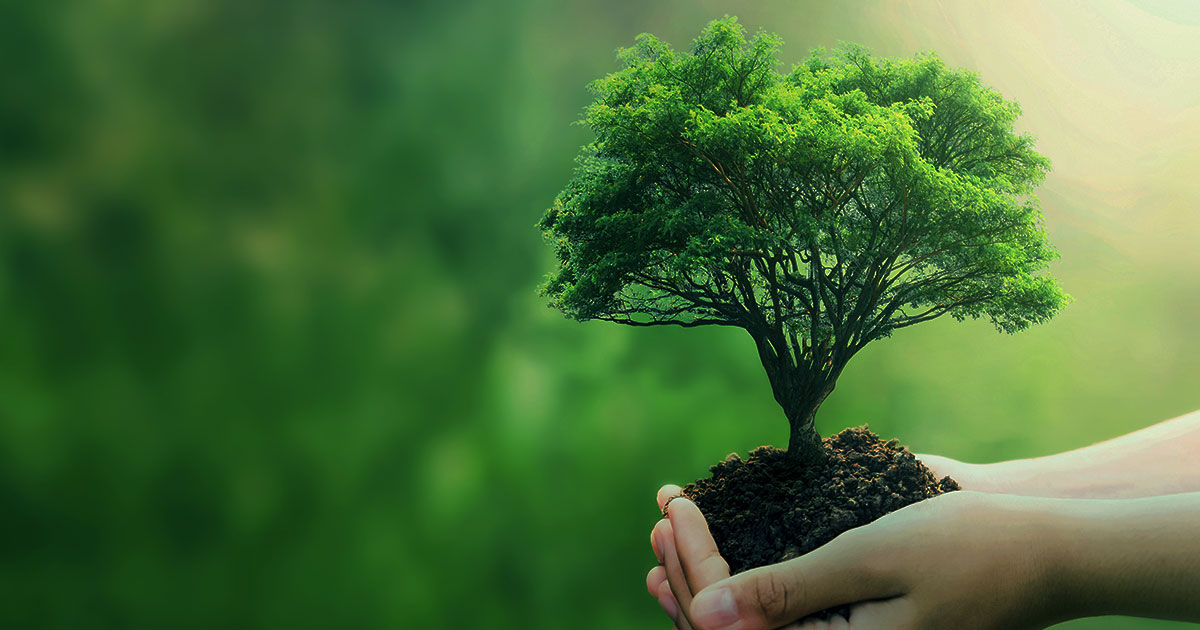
pixel 776 595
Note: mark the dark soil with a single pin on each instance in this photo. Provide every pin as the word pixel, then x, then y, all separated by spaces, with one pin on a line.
pixel 765 509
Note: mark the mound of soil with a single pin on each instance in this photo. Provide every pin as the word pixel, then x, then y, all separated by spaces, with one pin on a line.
pixel 765 509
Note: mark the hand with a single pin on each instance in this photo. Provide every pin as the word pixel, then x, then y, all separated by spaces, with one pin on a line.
pixel 688 560
pixel 960 560
pixel 971 559
pixel 690 522
pixel 981 477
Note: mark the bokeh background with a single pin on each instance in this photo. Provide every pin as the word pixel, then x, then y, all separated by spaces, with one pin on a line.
pixel 271 354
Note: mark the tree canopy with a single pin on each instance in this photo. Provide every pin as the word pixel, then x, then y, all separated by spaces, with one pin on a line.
pixel 819 210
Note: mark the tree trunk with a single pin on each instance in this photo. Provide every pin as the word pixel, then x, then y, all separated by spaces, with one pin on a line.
pixel 804 443
pixel 800 393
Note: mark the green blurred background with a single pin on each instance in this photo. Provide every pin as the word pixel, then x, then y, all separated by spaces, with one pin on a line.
pixel 271 353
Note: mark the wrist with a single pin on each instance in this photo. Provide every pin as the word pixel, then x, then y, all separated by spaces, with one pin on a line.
pixel 1134 557
pixel 1025 559
pixel 1061 555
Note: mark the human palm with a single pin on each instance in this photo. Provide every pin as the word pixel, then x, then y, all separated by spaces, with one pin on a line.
pixel 879 591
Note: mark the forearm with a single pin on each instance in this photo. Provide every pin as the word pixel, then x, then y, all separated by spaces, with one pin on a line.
pixel 1154 461
pixel 1137 557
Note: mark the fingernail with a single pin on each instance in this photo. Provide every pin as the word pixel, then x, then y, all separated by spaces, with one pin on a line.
pixel 714 608
pixel 656 544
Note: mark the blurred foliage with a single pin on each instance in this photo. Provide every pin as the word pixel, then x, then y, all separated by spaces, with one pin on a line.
pixel 271 353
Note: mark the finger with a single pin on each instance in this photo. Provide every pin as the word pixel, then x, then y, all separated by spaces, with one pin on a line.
pixel 769 597
pixel 654 578
pixel 938 465
pixel 694 544
pixel 654 544
pixel 898 612
pixel 838 622
pixel 676 581
pixel 665 493
pixel 656 583
pixel 666 599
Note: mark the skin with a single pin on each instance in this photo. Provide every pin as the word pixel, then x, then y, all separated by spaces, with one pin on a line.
pixel 1154 461
pixel 1016 549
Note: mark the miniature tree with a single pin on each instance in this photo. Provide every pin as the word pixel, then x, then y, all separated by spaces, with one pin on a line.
pixel 819 210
